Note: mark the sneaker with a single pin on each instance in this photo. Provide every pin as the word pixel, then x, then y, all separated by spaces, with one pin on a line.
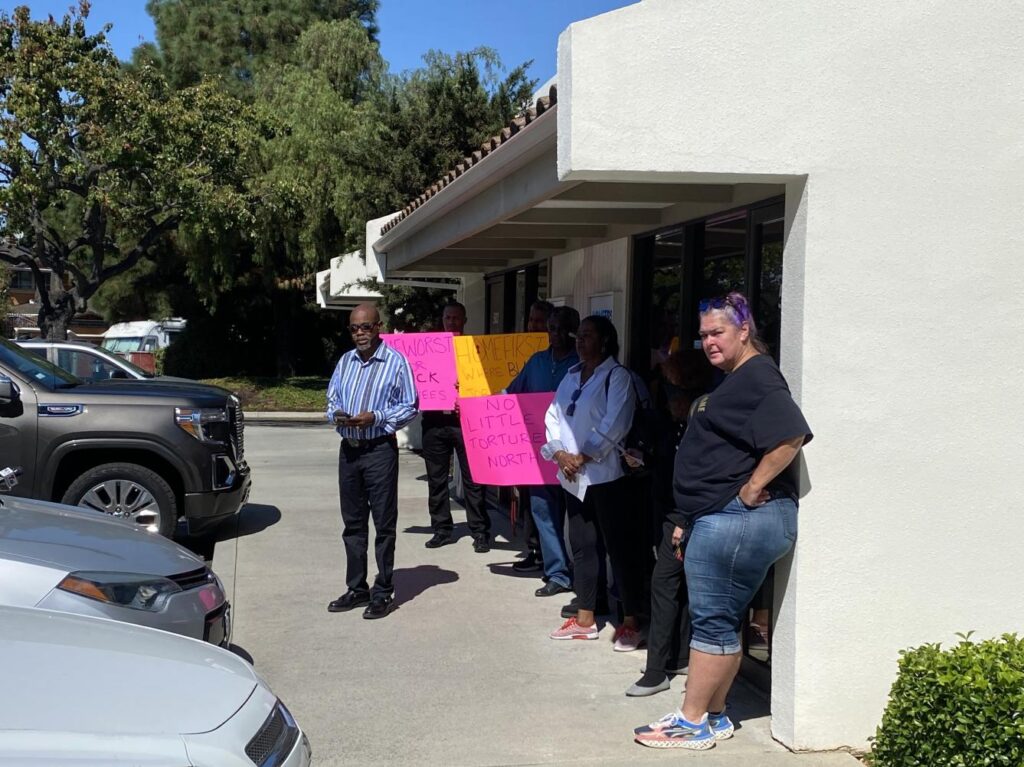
pixel 720 725
pixel 627 639
pixel 672 731
pixel 530 563
pixel 757 637
pixel 572 630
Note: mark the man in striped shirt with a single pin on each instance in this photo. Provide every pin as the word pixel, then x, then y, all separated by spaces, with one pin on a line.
pixel 370 397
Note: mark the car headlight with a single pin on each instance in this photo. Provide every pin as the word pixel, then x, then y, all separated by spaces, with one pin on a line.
pixel 206 424
pixel 139 592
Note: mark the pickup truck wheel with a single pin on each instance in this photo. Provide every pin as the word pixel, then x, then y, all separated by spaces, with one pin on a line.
pixel 129 491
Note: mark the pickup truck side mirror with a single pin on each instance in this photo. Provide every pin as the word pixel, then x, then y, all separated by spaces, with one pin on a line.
pixel 8 391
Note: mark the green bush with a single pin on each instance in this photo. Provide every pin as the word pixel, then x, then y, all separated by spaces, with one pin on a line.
pixel 961 707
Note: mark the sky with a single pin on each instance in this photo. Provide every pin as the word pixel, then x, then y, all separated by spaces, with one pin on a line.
pixel 519 31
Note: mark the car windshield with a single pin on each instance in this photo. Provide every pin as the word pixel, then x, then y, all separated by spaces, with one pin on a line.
pixel 125 344
pixel 132 366
pixel 35 368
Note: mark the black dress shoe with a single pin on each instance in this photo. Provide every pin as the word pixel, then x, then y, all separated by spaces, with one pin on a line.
pixel 530 563
pixel 551 588
pixel 481 545
pixel 348 601
pixel 439 540
pixel 378 608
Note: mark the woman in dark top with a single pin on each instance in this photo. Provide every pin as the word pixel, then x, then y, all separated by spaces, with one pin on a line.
pixel 736 506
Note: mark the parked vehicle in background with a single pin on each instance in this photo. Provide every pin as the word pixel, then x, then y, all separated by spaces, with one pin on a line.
pixel 142 335
pixel 80 561
pixel 148 451
pixel 85 692
pixel 93 363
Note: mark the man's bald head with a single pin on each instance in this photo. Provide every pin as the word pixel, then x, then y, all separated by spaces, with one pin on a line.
pixel 365 313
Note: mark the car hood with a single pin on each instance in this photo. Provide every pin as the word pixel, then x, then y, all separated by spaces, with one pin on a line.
pixel 70 673
pixel 73 539
pixel 204 394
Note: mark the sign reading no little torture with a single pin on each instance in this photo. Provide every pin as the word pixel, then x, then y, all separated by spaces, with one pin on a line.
pixel 503 436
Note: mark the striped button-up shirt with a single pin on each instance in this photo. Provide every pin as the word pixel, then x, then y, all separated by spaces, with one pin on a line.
pixel 382 385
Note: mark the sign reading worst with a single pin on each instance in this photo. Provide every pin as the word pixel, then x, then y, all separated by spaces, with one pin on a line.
pixel 504 435
pixel 487 364
pixel 432 361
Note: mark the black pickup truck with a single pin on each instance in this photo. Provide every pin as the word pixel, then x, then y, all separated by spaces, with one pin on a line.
pixel 148 451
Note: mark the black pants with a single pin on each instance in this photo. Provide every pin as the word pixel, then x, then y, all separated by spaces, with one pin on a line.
pixel 529 527
pixel 668 637
pixel 603 514
pixel 441 438
pixel 368 484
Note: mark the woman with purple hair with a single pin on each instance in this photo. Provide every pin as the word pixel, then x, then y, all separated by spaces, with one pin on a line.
pixel 735 486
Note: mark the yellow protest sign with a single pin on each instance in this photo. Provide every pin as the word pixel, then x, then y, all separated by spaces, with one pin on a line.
pixel 487 364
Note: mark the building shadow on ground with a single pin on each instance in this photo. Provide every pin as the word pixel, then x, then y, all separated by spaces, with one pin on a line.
pixel 505 568
pixel 410 582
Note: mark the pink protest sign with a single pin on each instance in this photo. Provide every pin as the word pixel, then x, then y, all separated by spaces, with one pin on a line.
pixel 504 434
pixel 433 366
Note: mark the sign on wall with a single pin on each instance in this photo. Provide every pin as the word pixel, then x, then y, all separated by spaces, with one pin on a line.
pixel 432 360
pixel 503 435
pixel 487 364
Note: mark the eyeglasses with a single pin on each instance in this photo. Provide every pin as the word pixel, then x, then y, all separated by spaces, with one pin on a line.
pixel 571 410
pixel 366 327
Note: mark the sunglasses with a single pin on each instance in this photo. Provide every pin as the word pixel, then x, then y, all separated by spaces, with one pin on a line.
pixel 710 304
pixel 366 327
pixel 571 410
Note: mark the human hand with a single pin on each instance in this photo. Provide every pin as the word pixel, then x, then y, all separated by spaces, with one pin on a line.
pixel 752 498
pixel 362 421
pixel 634 458
pixel 340 417
pixel 677 543
pixel 569 464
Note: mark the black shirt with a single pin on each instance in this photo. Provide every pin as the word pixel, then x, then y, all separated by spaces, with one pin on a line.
pixel 729 430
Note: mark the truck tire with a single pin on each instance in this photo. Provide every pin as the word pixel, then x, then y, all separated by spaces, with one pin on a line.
pixel 128 491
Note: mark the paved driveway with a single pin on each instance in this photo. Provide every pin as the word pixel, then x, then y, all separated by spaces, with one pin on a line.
pixel 462 673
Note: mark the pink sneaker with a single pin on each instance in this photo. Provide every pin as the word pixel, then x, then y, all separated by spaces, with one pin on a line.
pixel 627 639
pixel 572 630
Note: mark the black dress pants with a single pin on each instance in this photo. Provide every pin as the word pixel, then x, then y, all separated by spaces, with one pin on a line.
pixel 442 436
pixel 604 515
pixel 368 484
pixel 668 636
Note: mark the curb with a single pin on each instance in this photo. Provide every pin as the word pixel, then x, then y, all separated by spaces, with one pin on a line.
pixel 283 416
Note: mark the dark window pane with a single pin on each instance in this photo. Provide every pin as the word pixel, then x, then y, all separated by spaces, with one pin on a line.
pixel 725 250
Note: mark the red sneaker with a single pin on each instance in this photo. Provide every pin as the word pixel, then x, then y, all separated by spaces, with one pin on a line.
pixel 572 630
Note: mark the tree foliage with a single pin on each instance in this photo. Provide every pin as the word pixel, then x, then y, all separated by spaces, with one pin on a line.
pixel 99 163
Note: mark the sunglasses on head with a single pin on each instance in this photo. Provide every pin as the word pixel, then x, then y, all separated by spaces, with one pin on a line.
pixel 710 304
pixel 366 327
pixel 571 410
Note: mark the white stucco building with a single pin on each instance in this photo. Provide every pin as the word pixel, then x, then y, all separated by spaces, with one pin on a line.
pixel 858 170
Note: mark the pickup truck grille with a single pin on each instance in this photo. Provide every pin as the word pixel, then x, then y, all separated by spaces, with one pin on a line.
pixel 237 432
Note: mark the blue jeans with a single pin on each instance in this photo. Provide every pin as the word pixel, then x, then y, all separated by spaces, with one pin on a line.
pixel 728 554
pixel 547 503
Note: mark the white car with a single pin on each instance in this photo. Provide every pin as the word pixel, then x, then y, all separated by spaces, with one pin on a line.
pixel 90 692
pixel 86 562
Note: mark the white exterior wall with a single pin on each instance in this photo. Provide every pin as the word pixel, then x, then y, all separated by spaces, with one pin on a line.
pixel 578 275
pixel 903 295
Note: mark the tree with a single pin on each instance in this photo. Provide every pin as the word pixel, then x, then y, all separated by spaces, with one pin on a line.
pixel 98 163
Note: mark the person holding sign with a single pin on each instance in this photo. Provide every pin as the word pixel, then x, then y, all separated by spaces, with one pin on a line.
pixel 442 436
pixel 543 372
pixel 586 424
pixel 370 397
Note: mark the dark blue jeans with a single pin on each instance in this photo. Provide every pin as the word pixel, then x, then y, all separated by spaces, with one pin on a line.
pixel 547 504
pixel 368 484
pixel 728 553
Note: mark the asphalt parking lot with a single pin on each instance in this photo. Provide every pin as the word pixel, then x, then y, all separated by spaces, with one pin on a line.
pixel 462 672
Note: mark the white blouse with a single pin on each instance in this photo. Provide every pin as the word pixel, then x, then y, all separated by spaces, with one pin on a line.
pixel 611 415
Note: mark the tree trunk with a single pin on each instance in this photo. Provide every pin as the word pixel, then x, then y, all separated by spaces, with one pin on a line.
pixel 55 318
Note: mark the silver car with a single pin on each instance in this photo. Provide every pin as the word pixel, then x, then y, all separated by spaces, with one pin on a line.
pixel 82 561
pixel 85 692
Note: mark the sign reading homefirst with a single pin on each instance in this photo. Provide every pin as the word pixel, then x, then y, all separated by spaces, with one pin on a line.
pixel 432 361
pixel 503 435
pixel 487 364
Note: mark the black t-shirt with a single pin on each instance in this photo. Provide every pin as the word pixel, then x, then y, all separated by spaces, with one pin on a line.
pixel 729 430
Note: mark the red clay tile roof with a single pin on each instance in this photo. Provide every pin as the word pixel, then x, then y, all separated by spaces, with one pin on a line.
pixel 492 144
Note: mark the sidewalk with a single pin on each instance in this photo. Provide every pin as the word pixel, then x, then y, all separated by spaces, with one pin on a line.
pixel 462 673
